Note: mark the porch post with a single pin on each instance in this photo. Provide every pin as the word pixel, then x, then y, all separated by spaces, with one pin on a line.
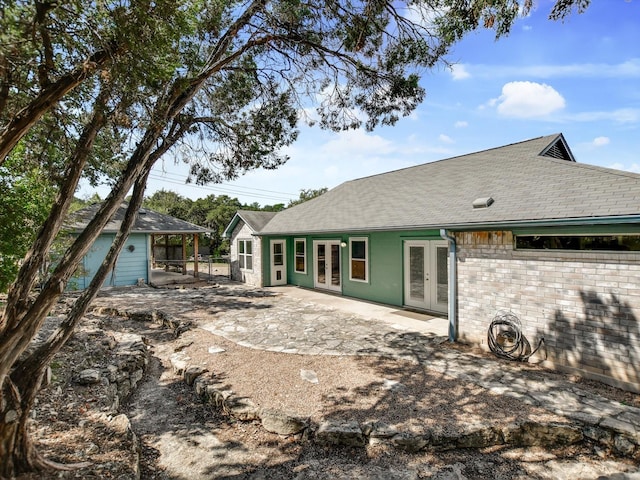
pixel 195 255
pixel 184 254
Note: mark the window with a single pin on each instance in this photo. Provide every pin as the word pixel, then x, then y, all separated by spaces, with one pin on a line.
pixel 358 262
pixel 245 254
pixel 300 255
pixel 616 243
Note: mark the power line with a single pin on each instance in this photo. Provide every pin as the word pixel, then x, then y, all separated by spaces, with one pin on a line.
pixel 180 178
pixel 221 189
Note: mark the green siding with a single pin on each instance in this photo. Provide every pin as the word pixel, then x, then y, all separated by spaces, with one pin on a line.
pixel 385 283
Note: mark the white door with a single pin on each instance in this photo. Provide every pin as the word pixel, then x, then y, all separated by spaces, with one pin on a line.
pixel 327 275
pixel 278 262
pixel 426 274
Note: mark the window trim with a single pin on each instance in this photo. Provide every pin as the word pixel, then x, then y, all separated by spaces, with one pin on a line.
pixel 296 255
pixel 366 259
pixel 245 255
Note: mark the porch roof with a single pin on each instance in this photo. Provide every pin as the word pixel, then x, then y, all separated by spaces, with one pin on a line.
pixel 147 221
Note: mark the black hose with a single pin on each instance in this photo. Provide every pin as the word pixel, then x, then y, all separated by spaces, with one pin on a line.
pixel 506 340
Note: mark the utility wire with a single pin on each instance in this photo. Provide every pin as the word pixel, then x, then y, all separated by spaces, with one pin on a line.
pixel 232 191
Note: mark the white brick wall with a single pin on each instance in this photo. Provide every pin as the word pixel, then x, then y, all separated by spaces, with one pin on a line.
pixel 586 305
pixel 254 277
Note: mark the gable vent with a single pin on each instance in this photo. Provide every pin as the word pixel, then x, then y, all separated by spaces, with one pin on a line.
pixel 558 150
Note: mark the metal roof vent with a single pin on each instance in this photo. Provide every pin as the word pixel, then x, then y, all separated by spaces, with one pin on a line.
pixel 483 202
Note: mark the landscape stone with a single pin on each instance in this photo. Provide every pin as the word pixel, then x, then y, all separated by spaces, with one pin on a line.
pixel 309 376
pixel 89 376
pixel 479 436
pixel 409 442
pixel 340 433
pixel 275 421
pixel 545 434
pixel 241 409
pixel 191 373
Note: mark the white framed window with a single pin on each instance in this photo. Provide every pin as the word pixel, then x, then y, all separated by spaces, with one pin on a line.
pixel 300 249
pixel 245 254
pixel 359 259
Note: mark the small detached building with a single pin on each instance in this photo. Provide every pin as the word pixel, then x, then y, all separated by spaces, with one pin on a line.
pixel 521 230
pixel 146 246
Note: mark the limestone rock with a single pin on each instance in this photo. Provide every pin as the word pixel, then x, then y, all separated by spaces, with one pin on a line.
pixel 241 408
pixel 275 421
pixel 535 434
pixel 340 433
pixel 479 436
pixel 191 373
pixel 179 363
pixel 309 376
pixel 90 376
pixel 410 442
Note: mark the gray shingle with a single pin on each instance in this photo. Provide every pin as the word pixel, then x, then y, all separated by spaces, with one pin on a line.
pixel 148 221
pixel 525 186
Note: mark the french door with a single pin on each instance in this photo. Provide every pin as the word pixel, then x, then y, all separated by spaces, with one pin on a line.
pixel 327 275
pixel 426 274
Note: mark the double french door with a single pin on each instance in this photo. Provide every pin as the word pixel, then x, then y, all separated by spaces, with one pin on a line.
pixel 426 275
pixel 326 255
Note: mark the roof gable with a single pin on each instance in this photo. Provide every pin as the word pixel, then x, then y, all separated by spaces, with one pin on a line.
pixel 255 220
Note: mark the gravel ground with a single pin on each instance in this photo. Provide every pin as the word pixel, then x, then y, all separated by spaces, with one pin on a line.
pixel 184 439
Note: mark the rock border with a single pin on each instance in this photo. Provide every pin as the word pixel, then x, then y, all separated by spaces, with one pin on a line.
pixel 619 437
pixel 612 435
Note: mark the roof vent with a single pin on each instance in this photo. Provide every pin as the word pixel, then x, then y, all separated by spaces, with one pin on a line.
pixel 483 202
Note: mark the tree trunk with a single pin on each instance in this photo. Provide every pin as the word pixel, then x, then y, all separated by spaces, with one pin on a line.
pixel 16 449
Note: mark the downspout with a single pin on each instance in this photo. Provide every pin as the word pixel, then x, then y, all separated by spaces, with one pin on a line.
pixel 453 286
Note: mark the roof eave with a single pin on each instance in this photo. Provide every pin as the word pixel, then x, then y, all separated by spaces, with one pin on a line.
pixel 470 226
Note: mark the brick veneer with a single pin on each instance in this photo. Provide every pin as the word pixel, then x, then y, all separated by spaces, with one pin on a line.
pixel 586 305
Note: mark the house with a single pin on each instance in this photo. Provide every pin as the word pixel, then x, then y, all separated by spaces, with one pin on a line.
pixel 245 250
pixel 149 245
pixel 522 229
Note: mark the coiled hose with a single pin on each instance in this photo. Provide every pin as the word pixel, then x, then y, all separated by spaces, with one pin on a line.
pixel 506 340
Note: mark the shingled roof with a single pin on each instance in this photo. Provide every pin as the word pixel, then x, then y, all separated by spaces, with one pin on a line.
pixel 532 181
pixel 255 220
pixel 148 221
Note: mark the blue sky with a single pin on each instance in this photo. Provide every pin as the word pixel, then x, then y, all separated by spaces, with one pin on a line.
pixel 580 77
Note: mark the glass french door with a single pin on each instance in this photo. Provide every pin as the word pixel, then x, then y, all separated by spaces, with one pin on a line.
pixel 426 275
pixel 327 273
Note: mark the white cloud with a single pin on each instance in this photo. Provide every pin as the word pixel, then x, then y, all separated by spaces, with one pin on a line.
pixel 600 141
pixel 528 100
pixel 621 115
pixel 445 138
pixel 627 69
pixel 459 72
pixel 357 143
pixel 461 124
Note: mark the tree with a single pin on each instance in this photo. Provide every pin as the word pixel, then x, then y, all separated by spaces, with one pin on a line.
pixel 169 203
pixel 26 197
pixel 219 83
pixel 306 195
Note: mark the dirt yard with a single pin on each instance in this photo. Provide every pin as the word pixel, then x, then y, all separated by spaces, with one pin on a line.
pixel 183 439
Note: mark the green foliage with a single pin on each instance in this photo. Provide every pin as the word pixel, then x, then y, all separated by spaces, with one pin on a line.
pixel 306 195
pixel 26 198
